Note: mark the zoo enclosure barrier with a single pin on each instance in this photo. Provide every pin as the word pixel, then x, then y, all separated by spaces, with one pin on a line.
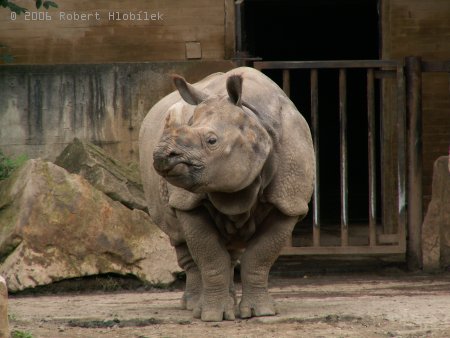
pixel 409 208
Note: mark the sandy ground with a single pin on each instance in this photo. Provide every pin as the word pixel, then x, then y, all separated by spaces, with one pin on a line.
pixel 351 305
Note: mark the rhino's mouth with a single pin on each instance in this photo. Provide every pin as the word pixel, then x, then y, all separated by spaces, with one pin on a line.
pixel 180 169
pixel 173 165
pixel 183 175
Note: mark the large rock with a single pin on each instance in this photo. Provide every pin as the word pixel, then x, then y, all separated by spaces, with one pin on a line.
pixel 55 225
pixel 4 326
pixel 436 227
pixel 118 181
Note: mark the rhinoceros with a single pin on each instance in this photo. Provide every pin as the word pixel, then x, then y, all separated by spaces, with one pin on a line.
pixel 227 166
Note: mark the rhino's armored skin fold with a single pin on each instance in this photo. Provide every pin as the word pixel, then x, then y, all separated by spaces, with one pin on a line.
pixel 227 166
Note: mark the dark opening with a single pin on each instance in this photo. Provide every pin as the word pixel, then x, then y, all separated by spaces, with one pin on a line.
pixel 323 30
pixel 311 29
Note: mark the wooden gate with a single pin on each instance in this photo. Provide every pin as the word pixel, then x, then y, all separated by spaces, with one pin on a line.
pixel 406 94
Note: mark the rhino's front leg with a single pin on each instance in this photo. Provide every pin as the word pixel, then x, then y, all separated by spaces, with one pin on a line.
pixel 262 251
pixel 193 288
pixel 212 258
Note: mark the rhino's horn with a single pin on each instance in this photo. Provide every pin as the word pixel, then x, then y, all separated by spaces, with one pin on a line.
pixel 234 89
pixel 189 93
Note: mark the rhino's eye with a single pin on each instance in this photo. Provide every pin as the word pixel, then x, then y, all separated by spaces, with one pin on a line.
pixel 211 139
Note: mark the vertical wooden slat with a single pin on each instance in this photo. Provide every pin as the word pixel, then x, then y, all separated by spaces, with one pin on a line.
pixel 388 151
pixel 239 14
pixel 372 159
pixel 315 134
pixel 238 25
pixel 415 208
pixel 343 155
pixel 286 82
pixel 230 29
pixel 401 156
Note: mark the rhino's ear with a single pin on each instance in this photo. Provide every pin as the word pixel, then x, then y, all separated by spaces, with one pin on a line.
pixel 189 93
pixel 234 89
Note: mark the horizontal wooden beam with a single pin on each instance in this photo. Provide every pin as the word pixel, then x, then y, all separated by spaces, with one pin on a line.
pixel 435 66
pixel 385 74
pixel 326 64
pixel 427 66
pixel 343 250
pixel 388 238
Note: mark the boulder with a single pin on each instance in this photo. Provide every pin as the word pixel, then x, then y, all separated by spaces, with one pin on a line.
pixel 55 225
pixel 120 182
pixel 4 326
pixel 436 226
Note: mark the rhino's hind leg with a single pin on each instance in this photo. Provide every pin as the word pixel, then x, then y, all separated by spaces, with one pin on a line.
pixel 261 253
pixel 193 289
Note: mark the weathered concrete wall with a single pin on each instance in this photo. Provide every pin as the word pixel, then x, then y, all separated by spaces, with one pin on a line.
pixel 42 108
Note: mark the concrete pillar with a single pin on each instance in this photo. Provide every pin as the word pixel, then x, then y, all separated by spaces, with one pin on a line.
pixel 436 227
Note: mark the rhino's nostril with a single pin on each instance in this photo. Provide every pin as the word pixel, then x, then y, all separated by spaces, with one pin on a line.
pixel 165 160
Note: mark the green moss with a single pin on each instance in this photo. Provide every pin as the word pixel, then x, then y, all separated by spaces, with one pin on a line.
pixel 8 164
pixel 9 214
pixel 62 190
pixel 8 219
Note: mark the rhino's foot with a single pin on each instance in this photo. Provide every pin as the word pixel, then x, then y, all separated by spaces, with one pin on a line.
pixel 189 300
pixel 257 306
pixel 215 309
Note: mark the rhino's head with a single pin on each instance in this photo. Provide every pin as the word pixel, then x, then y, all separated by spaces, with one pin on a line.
pixel 222 148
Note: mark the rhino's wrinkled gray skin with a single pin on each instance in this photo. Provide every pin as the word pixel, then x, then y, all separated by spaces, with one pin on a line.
pixel 227 166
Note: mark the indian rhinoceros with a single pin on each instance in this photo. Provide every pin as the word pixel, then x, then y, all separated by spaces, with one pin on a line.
pixel 227 166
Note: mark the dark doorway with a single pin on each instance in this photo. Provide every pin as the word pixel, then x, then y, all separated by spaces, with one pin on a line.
pixel 311 29
pixel 285 30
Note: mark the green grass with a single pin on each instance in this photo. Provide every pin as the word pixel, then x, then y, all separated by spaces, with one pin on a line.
pixel 21 334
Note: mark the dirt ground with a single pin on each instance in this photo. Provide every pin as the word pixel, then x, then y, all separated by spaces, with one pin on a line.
pixel 345 305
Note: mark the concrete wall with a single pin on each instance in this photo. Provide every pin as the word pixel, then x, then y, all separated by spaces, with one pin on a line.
pixel 42 108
